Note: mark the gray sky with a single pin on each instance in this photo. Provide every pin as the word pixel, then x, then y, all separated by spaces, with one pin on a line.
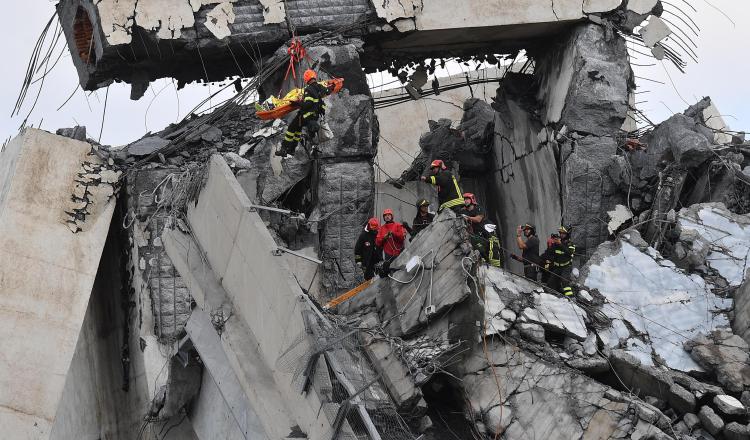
pixel 721 73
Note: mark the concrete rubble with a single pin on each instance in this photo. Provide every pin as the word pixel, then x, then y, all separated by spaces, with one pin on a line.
pixel 182 298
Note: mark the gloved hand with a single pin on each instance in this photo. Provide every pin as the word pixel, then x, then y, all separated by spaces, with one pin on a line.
pixel 359 264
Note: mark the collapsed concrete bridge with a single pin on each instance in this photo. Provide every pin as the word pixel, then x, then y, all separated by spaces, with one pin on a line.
pixel 202 318
pixel 209 40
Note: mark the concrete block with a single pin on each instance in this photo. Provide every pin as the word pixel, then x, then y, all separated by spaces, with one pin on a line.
pixel 42 307
pixel 394 373
pixel 710 420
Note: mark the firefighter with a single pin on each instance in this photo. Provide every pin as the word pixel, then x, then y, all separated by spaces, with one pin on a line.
pixel 529 250
pixel 366 253
pixel 482 234
pixel 311 109
pixel 449 193
pixel 390 238
pixel 559 261
pixel 423 218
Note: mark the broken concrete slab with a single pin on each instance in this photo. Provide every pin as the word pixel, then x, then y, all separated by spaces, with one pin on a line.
pixel 655 31
pixel 710 420
pixel 558 314
pixel 584 82
pixel 654 297
pixel 145 146
pixel 726 355
pixel 726 234
pixel 441 248
pixel 729 406
pixel 537 398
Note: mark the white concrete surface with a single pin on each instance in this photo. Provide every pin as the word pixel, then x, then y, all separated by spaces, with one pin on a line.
pixel 443 14
pixel 46 277
pixel 232 359
pixel 264 293
pixel 94 405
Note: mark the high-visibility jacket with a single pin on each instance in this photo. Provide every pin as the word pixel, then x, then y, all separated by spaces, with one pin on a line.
pixel 392 244
pixel 312 105
pixel 560 255
pixel 449 193
pixel 493 256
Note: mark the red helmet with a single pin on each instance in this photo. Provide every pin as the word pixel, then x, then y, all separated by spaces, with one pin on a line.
pixel 471 198
pixel 309 75
pixel 373 224
pixel 438 163
pixel 387 211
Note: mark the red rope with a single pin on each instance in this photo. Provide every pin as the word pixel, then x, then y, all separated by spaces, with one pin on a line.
pixel 296 53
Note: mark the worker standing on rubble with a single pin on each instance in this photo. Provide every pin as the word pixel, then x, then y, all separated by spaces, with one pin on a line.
pixel 449 193
pixel 482 234
pixel 366 253
pixel 311 109
pixel 559 261
pixel 423 218
pixel 529 250
pixel 390 238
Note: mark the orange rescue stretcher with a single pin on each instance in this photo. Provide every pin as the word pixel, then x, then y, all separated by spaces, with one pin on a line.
pixel 275 108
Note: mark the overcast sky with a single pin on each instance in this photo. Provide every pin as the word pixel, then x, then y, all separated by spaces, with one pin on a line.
pixel 722 73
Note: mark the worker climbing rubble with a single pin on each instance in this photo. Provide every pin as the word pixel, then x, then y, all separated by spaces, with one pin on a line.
pixel 390 238
pixel 423 218
pixel 529 250
pixel 366 253
pixel 483 236
pixel 449 193
pixel 312 108
pixel 559 261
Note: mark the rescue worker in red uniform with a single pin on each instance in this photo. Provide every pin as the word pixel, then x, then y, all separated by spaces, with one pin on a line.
pixel 311 109
pixel 449 193
pixel 390 238
pixel 366 253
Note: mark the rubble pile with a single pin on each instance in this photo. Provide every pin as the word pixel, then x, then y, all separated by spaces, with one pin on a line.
pixel 240 309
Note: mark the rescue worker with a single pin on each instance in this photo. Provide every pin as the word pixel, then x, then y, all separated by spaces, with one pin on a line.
pixel 311 109
pixel 529 250
pixel 423 218
pixel 482 235
pixel 390 238
pixel 449 193
pixel 559 260
pixel 473 213
pixel 366 253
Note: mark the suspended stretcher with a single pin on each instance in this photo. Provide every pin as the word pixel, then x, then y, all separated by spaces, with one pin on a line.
pixel 275 108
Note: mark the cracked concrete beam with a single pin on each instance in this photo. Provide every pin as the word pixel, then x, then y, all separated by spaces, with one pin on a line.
pixel 219 19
